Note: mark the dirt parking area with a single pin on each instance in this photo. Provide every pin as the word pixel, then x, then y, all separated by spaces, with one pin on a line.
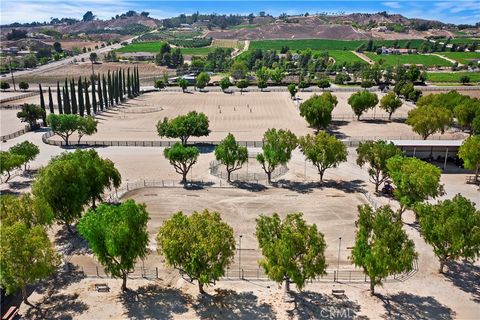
pixel 9 123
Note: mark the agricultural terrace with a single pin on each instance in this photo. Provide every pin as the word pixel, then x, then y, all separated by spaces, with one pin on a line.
pixel 463 57
pixel 426 60
pixel 328 44
pixel 452 77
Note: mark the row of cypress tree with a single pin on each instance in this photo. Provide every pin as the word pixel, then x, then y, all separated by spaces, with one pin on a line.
pixel 107 91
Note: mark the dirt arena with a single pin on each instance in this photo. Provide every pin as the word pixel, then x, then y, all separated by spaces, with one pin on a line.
pixel 247 116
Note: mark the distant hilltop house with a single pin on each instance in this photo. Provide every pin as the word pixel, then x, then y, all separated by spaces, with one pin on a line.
pixel 397 51
pixel 186 27
pixel 189 77
pixel 37 35
pixel 10 50
pixel 138 56
pixel 380 29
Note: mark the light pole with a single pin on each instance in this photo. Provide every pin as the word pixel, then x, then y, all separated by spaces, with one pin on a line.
pixel 11 72
pixel 240 256
pixel 338 260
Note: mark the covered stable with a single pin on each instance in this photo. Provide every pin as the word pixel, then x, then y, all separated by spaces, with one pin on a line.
pixel 431 150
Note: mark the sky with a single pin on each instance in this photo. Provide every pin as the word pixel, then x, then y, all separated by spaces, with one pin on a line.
pixel 458 12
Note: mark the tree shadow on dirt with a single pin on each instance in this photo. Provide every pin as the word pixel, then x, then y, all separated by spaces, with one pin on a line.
pixel 57 306
pixel 334 129
pixel 228 304
pixel 297 186
pixel 65 276
pixel 352 186
pixel 71 243
pixel 154 302
pixel 249 186
pixel 466 277
pixel 313 305
pixel 412 307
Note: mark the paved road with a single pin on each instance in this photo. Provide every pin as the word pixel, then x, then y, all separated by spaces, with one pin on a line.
pixel 60 63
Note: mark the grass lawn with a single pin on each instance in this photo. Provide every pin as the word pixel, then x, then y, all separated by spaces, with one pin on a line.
pixel 462 57
pixel 461 40
pixel 328 44
pixel 423 59
pixel 342 57
pixel 452 77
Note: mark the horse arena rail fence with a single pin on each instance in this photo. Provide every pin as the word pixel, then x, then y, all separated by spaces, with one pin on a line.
pixel 20 96
pixel 16 133
pixel 234 273
pixel 205 145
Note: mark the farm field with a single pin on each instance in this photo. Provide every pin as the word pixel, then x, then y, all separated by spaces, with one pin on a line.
pixel 327 44
pixel 423 59
pixel 154 47
pixel 342 57
pixel 461 40
pixel 462 57
pixel 452 77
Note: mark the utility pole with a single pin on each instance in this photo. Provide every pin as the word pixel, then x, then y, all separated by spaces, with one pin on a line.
pixel 338 260
pixel 240 256
pixel 11 72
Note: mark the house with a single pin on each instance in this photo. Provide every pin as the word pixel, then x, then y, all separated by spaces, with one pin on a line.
pixel 398 51
pixel 189 77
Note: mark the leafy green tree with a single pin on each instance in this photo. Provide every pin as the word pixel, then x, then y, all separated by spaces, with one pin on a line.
pixel 193 124
pixel 261 85
pixel 452 228
pixel 86 126
pixel 323 150
pixel 277 75
pixel 26 256
pixel 202 80
pixel 293 251
pixel 427 120
pixel 225 83
pixel 469 152
pixel 415 181
pixel 25 208
pixel 200 245
pixel 262 75
pixel 276 150
pixel 376 154
pixel 64 188
pixel 29 151
pixel 239 70
pixel 317 110
pixel 183 83
pixel 4 85
pixel 117 235
pixel 292 89
pixel 30 113
pixel 323 83
pixel 381 247
pixel 230 154
pixel 242 84
pixel 159 84
pixel 362 101
pixel 182 158
pixel 23 85
pixel 63 125
pixel 8 162
pixel 390 103
pixel 464 79
pixel 466 112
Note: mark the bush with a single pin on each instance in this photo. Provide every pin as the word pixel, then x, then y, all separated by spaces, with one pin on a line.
pixel 23 85
pixel 4 85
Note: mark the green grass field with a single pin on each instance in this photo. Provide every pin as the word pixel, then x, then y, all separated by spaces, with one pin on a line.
pixel 342 57
pixel 425 60
pixel 462 57
pixel 154 47
pixel 327 44
pixel 452 77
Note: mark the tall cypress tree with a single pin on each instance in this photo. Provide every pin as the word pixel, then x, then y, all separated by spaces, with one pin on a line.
pixel 50 100
pixel 120 89
pixel 134 82
pixel 81 102
pixel 74 97
pixel 65 110
pixel 105 92
pixel 94 96
pixel 117 91
pixel 87 100
pixel 59 99
pixel 42 105
pixel 110 88
pixel 129 89
pixel 138 82
pixel 100 93
pixel 66 101
pixel 124 84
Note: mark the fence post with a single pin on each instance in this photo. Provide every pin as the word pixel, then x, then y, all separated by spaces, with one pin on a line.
pixel 96 267
pixel 334 275
pixel 156 272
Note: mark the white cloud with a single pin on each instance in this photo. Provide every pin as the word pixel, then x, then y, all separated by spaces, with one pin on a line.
pixel 392 4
